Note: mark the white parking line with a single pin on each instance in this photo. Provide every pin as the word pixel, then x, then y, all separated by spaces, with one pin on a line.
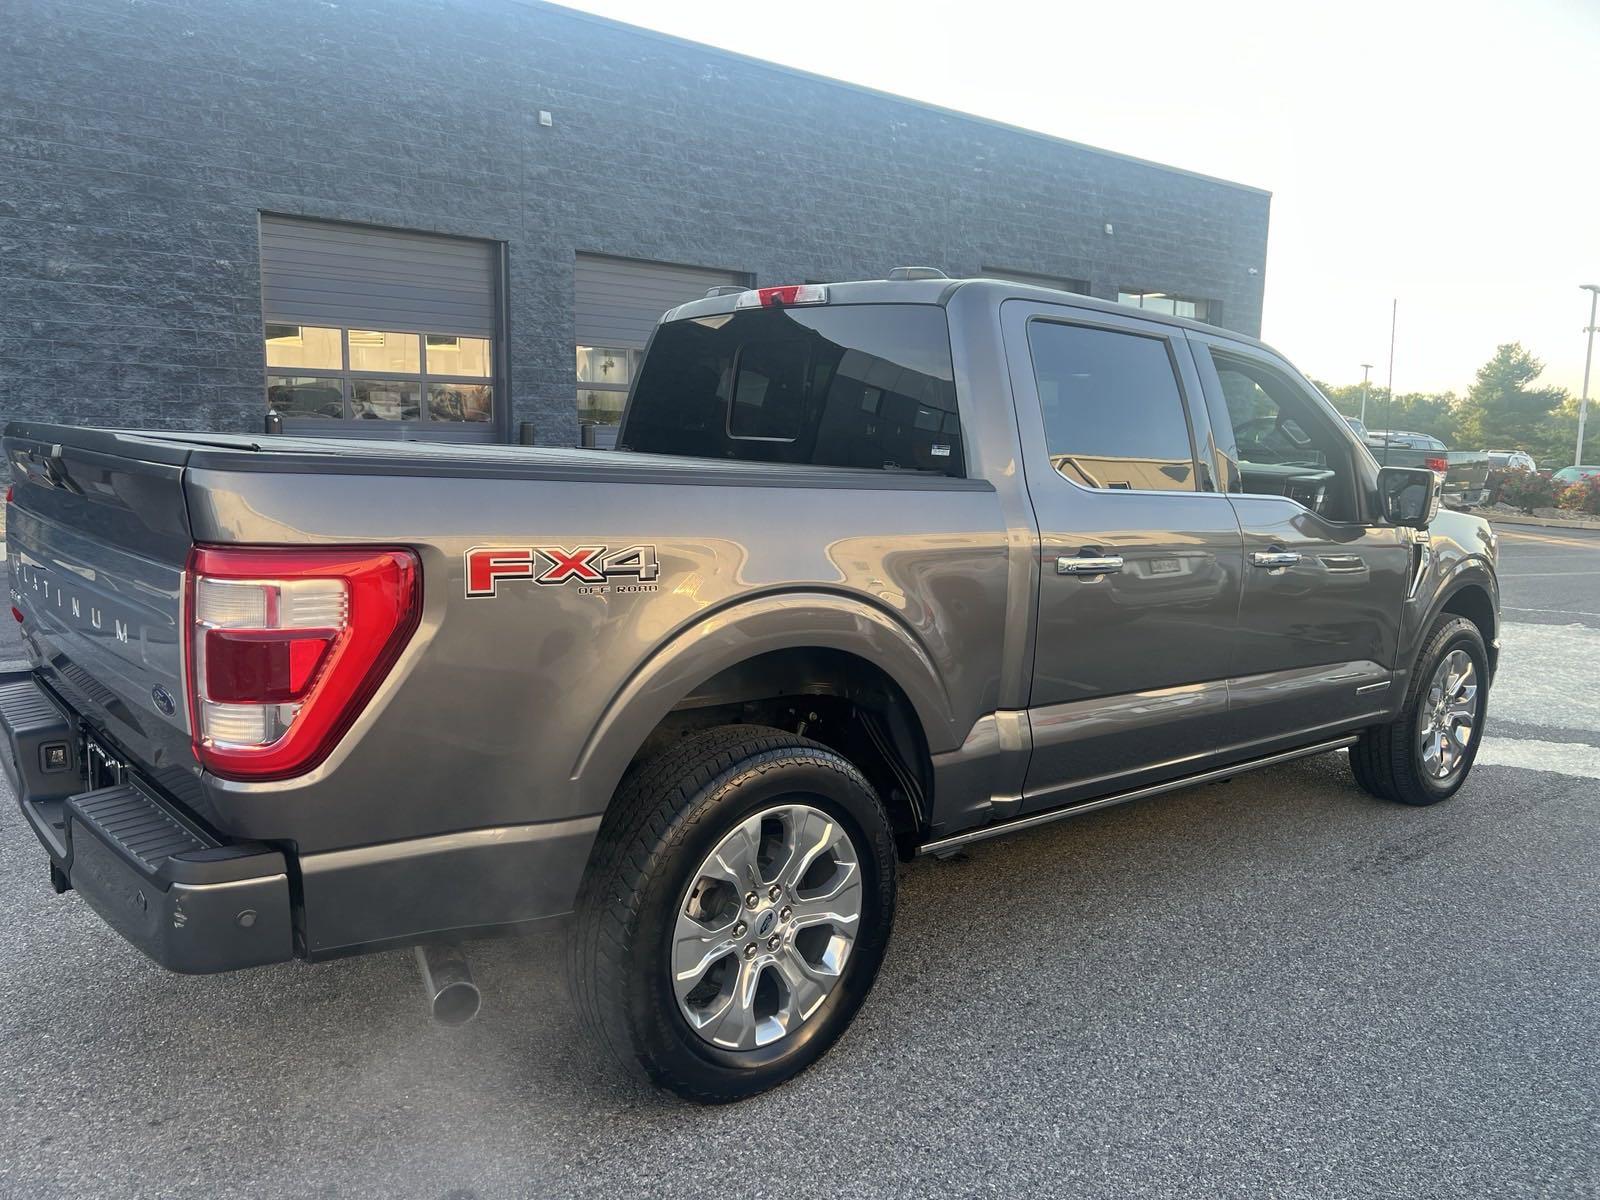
pixel 1543 574
pixel 1560 612
pixel 1546 677
pixel 1564 758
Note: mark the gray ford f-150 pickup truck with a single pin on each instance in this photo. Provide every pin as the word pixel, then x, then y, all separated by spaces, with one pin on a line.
pixel 879 569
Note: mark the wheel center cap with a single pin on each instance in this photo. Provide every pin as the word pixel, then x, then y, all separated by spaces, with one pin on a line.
pixel 767 923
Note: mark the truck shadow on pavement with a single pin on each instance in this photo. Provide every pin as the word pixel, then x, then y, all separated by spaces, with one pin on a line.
pixel 1051 976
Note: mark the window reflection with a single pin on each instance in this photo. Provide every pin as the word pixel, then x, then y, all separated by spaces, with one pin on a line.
pixel 460 401
pixel 305 396
pixel 385 399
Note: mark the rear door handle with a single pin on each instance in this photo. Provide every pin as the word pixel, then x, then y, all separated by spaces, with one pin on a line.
pixel 1273 558
pixel 1109 565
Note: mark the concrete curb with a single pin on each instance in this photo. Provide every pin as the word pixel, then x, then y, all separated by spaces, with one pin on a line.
pixel 1537 522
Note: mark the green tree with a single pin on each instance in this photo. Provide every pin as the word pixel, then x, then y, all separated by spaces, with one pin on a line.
pixel 1419 412
pixel 1502 411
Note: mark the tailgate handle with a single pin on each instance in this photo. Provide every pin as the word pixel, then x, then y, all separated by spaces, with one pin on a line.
pixel 56 473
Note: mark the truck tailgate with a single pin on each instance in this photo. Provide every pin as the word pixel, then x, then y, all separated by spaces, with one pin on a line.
pixel 97 540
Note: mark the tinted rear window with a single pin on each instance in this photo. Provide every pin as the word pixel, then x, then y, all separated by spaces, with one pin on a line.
pixel 857 385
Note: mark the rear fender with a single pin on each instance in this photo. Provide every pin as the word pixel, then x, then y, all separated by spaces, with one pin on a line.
pixel 729 636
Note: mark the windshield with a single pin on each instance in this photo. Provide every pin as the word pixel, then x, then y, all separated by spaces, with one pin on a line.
pixel 861 385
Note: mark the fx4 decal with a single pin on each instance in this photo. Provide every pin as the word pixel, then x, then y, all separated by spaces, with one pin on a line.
pixel 589 566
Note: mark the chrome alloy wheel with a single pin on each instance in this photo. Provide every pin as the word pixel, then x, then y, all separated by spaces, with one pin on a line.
pixel 1447 715
pixel 766 926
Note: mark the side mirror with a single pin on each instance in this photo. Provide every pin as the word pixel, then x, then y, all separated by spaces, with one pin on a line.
pixel 1409 496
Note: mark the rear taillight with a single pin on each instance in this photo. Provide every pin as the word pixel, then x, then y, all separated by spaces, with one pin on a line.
pixel 285 648
pixel 781 297
pixel 1437 463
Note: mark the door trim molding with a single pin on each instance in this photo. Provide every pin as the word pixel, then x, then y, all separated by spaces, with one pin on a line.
pixel 955 841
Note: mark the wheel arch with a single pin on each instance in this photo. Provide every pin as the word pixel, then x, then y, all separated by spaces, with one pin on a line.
pixel 787 645
pixel 1472 593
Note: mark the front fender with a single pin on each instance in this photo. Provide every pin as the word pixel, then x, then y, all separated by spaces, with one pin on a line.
pixel 1461 555
pixel 729 636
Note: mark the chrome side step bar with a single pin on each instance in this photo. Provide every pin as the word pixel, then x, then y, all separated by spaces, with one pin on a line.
pixel 985 832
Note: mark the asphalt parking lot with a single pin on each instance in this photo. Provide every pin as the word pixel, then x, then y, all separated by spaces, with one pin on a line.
pixel 1273 986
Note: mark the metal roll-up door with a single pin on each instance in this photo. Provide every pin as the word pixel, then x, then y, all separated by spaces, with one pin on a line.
pixel 618 301
pixel 616 305
pixel 440 290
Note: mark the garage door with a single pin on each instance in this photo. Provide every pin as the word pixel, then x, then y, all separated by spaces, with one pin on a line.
pixel 381 332
pixel 617 302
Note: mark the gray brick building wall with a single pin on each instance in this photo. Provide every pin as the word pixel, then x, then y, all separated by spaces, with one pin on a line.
pixel 139 142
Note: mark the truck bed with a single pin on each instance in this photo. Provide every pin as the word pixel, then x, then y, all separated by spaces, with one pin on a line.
pixel 354 456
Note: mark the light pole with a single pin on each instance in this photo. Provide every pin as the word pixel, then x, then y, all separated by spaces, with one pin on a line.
pixel 1366 369
pixel 1583 401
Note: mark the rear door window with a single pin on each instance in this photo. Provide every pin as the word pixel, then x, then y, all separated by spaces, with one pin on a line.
pixel 857 385
pixel 1113 414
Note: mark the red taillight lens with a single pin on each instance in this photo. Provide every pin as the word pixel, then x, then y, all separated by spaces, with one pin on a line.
pixel 286 646
pixel 1437 463
pixel 254 666
pixel 10 490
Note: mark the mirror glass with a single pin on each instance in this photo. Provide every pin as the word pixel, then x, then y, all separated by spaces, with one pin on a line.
pixel 1410 495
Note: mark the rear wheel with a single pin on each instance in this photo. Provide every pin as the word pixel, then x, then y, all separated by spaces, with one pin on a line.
pixel 735 912
pixel 1424 755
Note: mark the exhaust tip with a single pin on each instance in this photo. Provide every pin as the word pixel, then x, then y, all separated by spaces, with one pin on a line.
pixel 457 1003
pixel 452 997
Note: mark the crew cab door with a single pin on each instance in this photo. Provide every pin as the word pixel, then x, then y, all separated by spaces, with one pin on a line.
pixel 1140 558
pixel 1324 587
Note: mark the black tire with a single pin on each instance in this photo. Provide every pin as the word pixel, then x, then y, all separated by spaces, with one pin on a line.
pixel 666 818
pixel 1387 761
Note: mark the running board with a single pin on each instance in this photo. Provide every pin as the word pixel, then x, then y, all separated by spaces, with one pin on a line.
pixel 985 832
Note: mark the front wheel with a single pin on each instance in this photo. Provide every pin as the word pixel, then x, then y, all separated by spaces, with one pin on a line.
pixel 735 912
pixel 1424 755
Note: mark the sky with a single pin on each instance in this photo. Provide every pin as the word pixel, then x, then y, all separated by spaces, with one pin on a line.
pixel 1443 154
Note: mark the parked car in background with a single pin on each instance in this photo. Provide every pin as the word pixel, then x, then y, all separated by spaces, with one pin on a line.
pixel 1571 475
pixel 1355 424
pixel 1511 460
pixel 1463 474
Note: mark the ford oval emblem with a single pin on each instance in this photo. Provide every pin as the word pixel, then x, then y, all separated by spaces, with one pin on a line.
pixel 164 700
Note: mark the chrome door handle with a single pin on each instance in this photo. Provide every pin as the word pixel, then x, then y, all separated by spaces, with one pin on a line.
pixel 1273 558
pixel 1109 565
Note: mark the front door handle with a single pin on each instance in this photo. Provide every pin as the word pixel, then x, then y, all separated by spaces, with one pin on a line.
pixel 1273 558
pixel 1109 565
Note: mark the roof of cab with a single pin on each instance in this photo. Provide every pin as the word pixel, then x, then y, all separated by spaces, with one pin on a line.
pixel 939 291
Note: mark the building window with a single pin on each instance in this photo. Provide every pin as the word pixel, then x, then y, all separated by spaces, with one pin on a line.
pixel 604 375
pixel 378 374
pixel 1170 305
